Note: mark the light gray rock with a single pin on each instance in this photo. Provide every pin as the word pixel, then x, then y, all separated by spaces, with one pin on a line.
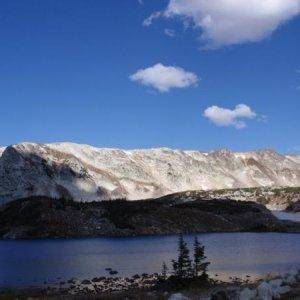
pixel 247 294
pixel 290 280
pixel 275 283
pixel 230 293
pixel 293 272
pixel 277 292
pixel 90 287
pixel 264 291
pixel 178 296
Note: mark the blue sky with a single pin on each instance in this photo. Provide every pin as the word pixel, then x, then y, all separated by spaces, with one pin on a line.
pixel 66 66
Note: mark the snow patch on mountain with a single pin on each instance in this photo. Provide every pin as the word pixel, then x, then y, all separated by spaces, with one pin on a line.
pixel 87 173
pixel 2 150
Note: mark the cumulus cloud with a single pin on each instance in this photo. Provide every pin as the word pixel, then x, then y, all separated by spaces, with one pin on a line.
pixel 227 117
pixel 228 22
pixel 163 78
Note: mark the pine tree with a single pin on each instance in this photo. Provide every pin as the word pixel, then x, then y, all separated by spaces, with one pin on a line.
pixel 164 270
pixel 200 266
pixel 183 266
pixel 84 173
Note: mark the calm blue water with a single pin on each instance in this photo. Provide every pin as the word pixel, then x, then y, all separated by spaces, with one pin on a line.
pixel 231 254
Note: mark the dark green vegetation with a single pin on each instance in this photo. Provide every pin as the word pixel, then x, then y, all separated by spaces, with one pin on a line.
pixel 40 217
pixel 186 272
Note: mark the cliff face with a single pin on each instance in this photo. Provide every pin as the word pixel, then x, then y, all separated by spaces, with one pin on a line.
pixel 86 173
pixel 41 217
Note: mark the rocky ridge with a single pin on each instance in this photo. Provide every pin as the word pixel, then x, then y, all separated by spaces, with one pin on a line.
pixel 86 173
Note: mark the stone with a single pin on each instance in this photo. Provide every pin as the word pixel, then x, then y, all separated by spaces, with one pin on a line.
pixel 86 281
pixel 74 281
pixel 277 292
pixel 275 283
pixel 96 279
pixel 231 293
pixel 90 287
pixel 247 294
pixel 264 291
pixel 290 280
pixel 294 272
pixel 178 296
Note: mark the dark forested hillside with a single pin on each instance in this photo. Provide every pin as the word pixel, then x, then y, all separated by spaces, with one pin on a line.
pixel 39 217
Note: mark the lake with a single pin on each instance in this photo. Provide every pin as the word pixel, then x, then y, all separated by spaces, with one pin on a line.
pixel 31 262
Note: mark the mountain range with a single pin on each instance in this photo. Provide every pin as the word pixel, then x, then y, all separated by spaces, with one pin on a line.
pixel 86 173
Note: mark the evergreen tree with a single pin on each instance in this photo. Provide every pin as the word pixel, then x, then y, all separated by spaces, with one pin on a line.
pixel 183 266
pixel 84 173
pixel 164 270
pixel 200 266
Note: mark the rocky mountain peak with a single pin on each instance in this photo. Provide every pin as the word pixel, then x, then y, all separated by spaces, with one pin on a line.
pixel 87 173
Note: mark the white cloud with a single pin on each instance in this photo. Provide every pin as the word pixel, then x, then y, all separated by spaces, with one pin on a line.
pixel 141 2
pixel 169 32
pixel 227 22
pixel 153 16
pixel 227 117
pixel 163 78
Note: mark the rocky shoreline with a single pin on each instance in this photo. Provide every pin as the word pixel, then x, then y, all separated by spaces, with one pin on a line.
pixel 42 217
pixel 285 286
